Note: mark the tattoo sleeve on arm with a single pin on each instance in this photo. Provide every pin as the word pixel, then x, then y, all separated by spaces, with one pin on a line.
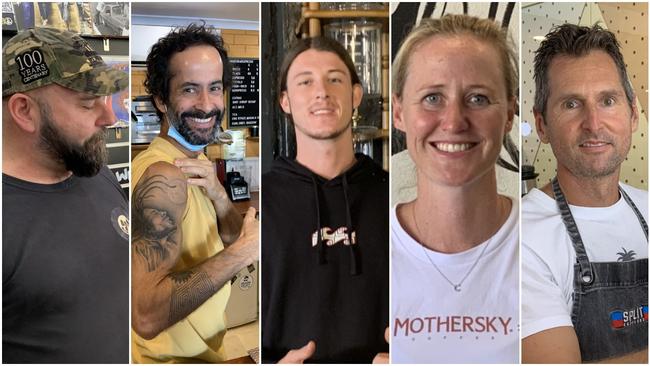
pixel 155 227
pixel 189 291
pixel 162 293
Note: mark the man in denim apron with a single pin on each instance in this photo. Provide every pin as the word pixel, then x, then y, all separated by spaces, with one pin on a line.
pixel 584 235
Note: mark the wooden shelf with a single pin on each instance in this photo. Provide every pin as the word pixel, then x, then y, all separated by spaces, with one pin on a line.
pixel 334 14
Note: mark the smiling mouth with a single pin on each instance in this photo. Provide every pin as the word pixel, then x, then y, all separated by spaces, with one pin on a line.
pixel 453 147
pixel 594 144
pixel 322 111
pixel 199 121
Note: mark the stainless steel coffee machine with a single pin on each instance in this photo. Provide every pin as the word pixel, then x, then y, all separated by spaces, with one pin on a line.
pixel 528 179
pixel 146 124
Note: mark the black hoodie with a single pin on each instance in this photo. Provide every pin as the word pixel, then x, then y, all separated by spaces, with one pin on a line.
pixel 331 289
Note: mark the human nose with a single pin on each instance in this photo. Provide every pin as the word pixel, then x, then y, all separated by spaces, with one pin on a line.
pixel 453 118
pixel 107 116
pixel 205 101
pixel 321 89
pixel 591 120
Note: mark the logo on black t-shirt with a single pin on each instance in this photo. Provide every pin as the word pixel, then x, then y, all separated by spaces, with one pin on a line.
pixel 120 221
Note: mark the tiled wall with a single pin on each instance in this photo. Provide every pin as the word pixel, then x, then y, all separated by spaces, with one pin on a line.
pixel 242 43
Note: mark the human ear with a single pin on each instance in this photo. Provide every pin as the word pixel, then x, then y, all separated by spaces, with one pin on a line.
pixel 160 104
pixel 24 111
pixel 540 125
pixel 635 115
pixel 357 95
pixel 284 103
pixel 512 105
pixel 398 122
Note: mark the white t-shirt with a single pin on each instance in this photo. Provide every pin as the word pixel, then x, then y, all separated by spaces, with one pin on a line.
pixel 432 323
pixel 609 234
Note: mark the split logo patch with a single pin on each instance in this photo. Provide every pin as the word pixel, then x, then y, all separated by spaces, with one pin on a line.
pixel 623 318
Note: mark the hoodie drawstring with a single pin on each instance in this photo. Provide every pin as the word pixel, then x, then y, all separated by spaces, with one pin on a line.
pixel 355 264
pixel 321 246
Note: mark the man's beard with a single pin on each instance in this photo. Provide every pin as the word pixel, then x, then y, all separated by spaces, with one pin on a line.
pixel 82 160
pixel 201 136
pixel 580 165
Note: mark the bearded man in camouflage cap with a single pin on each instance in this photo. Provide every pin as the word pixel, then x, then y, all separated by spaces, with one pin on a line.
pixel 65 217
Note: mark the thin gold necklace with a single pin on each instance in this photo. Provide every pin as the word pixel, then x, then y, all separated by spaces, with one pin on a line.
pixel 457 286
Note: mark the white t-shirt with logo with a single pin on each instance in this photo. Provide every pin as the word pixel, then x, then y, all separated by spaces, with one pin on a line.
pixel 432 323
pixel 609 234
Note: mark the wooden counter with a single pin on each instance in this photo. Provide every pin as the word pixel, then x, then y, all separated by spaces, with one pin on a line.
pixel 242 206
pixel 241 360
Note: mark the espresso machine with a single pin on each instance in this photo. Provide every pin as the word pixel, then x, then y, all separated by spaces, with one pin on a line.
pixel 528 179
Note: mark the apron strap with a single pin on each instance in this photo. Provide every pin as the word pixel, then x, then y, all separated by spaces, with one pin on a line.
pixel 586 274
pixel 642 221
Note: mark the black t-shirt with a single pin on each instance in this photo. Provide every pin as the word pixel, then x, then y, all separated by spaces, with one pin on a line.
pixel 65 272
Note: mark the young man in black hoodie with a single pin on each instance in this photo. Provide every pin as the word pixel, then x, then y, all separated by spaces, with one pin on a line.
pixel 325 227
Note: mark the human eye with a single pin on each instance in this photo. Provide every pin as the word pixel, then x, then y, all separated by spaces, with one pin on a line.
pixel 433 99
pixel 217 88
pixel 336 79
pixel 304 82
pixel 87 104
pixel 189 90
pixel 571 104
pixel 609 101
pixel 478 100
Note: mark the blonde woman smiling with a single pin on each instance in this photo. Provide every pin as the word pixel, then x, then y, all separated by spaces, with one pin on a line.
pixel 455 247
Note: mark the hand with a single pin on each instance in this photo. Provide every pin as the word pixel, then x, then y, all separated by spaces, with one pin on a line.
pixel 382 357
pixel 202 173
pixel 299 355
pixel 249 238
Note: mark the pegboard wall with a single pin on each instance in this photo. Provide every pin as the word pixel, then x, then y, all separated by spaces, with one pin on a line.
pixel 629 22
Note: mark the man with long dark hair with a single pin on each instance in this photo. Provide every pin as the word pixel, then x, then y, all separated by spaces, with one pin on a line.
pixel 325 226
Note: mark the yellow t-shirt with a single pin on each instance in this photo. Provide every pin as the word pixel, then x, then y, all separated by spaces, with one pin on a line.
pixel 198 337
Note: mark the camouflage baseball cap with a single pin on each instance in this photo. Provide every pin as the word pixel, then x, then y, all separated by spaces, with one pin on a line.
pixel 42 56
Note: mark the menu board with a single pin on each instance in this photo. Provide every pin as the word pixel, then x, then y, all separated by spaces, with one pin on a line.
pixel 244 93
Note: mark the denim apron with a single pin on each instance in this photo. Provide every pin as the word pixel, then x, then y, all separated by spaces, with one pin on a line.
pixel 610 299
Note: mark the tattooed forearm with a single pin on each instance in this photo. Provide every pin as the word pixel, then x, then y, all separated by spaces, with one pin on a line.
pixel 157 203
pixel 189 291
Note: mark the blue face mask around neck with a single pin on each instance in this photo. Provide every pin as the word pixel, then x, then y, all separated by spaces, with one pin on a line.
pixel 173 133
